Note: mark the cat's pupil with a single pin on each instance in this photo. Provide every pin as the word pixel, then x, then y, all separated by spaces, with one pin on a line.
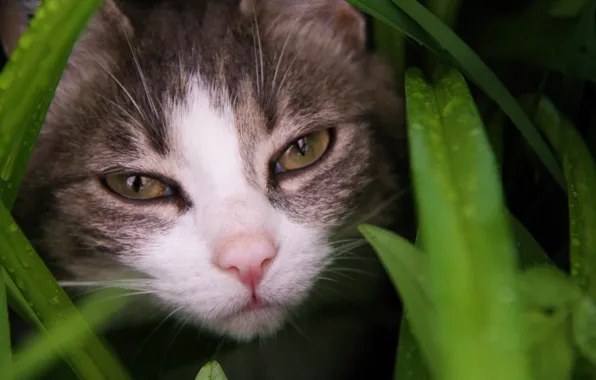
pixel 302 146
pixel 135 183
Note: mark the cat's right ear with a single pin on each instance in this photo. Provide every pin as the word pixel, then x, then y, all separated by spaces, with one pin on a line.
pixel 13 22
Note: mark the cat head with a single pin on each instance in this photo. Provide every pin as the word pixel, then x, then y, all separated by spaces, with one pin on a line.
pixel 212 154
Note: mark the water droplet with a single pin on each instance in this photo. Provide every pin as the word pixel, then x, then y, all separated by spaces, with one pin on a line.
pixel 54 300
pixel 575 242
pixel 10 270
pixel 507 294
pixel 21 284
pixel 13 228
pixel 5 80
pixel 25 41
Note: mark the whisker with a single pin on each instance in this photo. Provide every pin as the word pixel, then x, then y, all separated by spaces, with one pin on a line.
pixel 254 46
pixel 169 348
pixel 153 332
pixel 340 270
pixel 141 76
pixel 294 324
pixel 344 241
pixel 260 47
pixel 281 54
pixel 128 95
pixel 283 78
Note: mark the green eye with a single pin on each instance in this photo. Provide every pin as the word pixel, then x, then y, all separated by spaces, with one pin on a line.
pixel 137 186
pixel 304 151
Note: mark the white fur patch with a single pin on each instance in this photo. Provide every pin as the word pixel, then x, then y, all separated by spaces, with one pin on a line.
pixel 206 161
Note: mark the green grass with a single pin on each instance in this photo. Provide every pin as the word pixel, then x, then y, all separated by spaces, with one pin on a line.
pixel 501 282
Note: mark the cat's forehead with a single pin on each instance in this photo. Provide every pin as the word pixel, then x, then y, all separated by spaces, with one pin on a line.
pixel 244 65
pixel 128 83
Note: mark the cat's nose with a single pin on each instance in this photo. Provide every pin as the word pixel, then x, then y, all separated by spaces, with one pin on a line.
pixel 247 256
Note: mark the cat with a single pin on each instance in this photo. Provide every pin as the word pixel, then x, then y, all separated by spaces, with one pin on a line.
pixel 216 157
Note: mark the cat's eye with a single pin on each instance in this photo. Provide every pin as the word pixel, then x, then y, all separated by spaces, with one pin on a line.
pixel 304 151
pixel 137 186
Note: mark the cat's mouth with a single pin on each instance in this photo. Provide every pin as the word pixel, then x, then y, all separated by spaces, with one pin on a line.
pixel 255 304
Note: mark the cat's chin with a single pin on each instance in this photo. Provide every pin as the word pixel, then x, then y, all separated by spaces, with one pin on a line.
pixel 250 323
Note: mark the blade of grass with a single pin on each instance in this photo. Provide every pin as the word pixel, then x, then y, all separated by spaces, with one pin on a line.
pixel 28 82
pixel 211 371
pixel 584 329
pixel 384 11
pixel 530 251
pixel 465 233
pixel 5 344
pixel 49 302
pixel 567 8
pixel 549 297
pixel 410 363
pixel 481 74
pixel 40 351
pixel 407 268
pixel 19 304
pixel 580 172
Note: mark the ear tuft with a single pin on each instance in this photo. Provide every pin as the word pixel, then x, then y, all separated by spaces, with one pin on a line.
pixel 351 23
pixel 337 17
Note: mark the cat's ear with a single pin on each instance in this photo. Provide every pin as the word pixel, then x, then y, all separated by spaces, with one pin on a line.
pixel 13 22
pixel 338 16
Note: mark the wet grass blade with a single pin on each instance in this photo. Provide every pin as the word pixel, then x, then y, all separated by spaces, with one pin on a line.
pixel 410 362
pixel 211 371
pixel 5 345
pixel 28 82
pixel 549 297
pixel 481 74
pixel 580 172
pixel 40 351
pixel 407 268
pixel 418 23
pixel 465 232
pixel 50 303
pixel 530 251
pixel 385 11
pixel 18 303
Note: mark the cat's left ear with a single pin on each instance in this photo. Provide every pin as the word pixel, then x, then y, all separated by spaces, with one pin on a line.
pixel 346 21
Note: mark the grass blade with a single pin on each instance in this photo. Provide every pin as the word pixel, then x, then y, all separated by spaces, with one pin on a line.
pixel 5 344
pixel 28 82
pixel 470 63
pixel 49 302
pixel 549 297
pixel 580 172
pixel 211 371
pixel 410 363
pixel 39 352
pixel 407 268
pixel 18 303
pixel 385 11
pixel 530 251
pixel 464 231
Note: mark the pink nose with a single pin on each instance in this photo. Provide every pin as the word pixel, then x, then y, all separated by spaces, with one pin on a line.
pixel 247 255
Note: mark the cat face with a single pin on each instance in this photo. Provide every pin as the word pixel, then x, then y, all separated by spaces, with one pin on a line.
pixel 214 151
